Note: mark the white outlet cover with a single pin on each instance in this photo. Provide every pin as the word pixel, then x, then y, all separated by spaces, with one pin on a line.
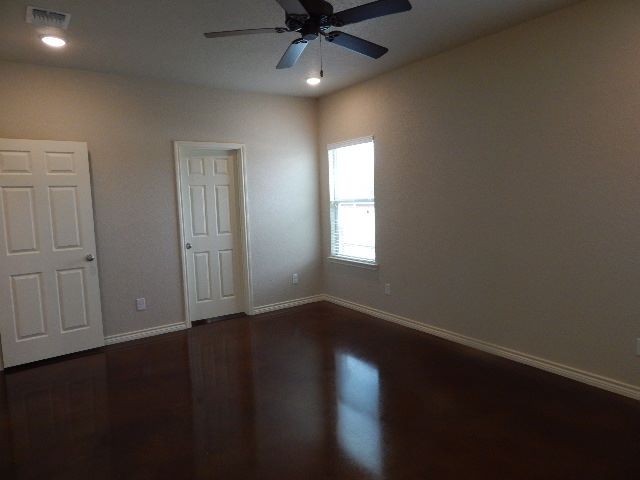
pixel 387 289
pixel 295 279
pixel 141 304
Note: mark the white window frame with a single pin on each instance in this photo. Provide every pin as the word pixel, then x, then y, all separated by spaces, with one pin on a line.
pixel 333 257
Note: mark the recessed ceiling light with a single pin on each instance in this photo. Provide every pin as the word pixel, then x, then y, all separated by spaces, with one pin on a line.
pixel 52 41
pixel 313 81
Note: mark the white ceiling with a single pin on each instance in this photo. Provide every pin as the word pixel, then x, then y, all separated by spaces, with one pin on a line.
pixel 163 39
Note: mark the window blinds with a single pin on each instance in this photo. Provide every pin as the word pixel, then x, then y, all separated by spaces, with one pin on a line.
pixel 352 200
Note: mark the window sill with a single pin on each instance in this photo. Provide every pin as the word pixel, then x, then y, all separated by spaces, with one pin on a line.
pixel 353 263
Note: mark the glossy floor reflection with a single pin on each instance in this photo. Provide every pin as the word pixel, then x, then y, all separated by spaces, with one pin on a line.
pixel 315 392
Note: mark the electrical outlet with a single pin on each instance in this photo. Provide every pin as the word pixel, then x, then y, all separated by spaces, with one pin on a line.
pixel 387 289
pixel 295 279
pixel 141 304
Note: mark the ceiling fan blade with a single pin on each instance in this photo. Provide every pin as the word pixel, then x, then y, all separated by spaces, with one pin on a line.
pixel 357 44
pixel 292 54
pixel 251 31
pixel 292 6
pixel 371 10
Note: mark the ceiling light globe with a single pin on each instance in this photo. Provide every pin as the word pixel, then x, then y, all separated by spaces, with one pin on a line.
pixel 55 42
pixel 313 81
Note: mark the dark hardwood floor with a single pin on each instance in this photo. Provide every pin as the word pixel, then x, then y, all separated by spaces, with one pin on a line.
pixel 315 392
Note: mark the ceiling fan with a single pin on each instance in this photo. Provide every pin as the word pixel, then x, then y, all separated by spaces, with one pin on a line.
pixel 312 18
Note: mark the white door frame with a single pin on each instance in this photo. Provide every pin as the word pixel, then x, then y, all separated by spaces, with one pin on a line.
pixel 243 212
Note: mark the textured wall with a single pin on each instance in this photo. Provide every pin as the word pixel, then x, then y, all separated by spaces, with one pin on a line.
pixel 129 125
pixel 508 188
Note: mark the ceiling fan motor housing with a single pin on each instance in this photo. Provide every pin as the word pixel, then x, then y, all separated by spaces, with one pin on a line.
pixel 319 8
pixel 311 26
pixel 311 29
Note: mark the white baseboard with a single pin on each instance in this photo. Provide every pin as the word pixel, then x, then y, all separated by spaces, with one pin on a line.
pixel 588 378
pixel 288 304
pixel 147 332
pixel 592 379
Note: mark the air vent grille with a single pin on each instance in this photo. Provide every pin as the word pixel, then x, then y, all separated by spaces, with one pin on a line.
pixel 42 17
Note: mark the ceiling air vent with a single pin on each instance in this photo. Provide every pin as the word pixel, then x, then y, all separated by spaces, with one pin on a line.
pixel 41 17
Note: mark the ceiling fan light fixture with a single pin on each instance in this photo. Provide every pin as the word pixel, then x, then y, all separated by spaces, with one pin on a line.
pixel 53 41
pixel 313 81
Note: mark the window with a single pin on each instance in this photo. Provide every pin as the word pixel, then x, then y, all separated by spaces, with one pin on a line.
pixel 353 208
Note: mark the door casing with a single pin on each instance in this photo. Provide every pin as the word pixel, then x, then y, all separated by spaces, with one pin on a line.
pixel 243 219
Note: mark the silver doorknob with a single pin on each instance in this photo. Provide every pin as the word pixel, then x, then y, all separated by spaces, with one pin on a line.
pixel 90 257
pixel 188 246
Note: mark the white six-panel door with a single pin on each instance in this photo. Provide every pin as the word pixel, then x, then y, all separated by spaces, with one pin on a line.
pixel 49 291
pixel 211 231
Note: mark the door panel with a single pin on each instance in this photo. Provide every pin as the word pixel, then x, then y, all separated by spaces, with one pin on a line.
pixel 72 299
pixel 28 309
pixel 60 163
pixel 199 221
pixel 49 291
pixel 64 217
pixel 196 166
pixel 19 219
pixel 15 163
pixel 203 276
pixel 223 210
pixel 225 258
pixel 221 166
pixel 210 215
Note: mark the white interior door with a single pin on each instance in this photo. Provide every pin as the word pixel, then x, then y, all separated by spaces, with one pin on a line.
pixel 211 231
pixel 49 291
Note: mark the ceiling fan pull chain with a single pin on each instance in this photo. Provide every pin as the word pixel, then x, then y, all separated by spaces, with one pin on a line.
pixel 321 65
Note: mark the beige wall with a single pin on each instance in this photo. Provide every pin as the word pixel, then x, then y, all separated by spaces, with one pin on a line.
pixel 129 125
pixel 508 188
